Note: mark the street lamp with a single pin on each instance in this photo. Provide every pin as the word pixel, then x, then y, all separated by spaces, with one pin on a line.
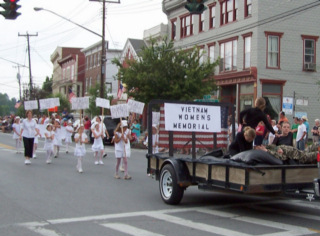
pixel 103 50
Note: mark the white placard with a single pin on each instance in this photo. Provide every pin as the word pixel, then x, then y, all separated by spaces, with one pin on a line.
pixel 49 103
pixel 118 111
pixel 156 118
pixel 101 102
pixel 192 118
pixel 31 105
pixel 79 103
pixel 135 106
pixel 287 105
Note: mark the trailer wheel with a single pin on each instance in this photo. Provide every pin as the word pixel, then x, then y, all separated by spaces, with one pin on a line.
pixel 171 192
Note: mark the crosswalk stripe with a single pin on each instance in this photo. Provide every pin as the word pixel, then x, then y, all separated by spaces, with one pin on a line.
pixel 197 226
pixel 130 230
pixel 251 220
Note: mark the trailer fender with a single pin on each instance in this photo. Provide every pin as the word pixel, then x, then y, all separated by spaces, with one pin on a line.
pixel 182 172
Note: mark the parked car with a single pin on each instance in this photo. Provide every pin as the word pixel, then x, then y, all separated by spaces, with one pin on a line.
pixel 111 125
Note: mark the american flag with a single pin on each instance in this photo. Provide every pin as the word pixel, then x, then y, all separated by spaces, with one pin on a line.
pixel 17 105
pixel 120 91
pixel 71 95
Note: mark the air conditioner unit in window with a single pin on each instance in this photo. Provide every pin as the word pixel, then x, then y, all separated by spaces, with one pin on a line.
pixel 310 66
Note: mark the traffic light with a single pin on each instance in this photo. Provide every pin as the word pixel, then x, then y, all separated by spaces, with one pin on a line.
pixel 196 6
pixel 10 9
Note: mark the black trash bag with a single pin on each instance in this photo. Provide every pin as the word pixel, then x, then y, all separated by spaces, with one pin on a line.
pixel 253 157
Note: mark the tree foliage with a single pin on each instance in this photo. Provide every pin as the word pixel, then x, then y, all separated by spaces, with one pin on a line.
pixel 162 72
pixel 94 92
pixel 6 105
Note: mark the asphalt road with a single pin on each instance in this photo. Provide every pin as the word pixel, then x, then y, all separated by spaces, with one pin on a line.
pixel 55 200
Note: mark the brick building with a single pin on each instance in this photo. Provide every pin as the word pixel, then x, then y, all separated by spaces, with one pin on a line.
pixel 266 48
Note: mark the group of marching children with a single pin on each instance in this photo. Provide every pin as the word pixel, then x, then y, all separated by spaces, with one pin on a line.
pixel 53 142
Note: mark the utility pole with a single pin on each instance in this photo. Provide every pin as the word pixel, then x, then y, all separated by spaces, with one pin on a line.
pixel 19 79
pixel 30 74
pixel 103 44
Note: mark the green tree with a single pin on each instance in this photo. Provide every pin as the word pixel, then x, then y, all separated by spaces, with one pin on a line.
pixel 162 72
pixel 94 92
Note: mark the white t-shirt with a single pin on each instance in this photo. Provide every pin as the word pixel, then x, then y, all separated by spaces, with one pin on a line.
pixel 29 128
pixel 301 129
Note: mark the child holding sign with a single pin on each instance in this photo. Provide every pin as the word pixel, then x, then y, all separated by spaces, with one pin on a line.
pixel 16 133
pixel 48 143
pixel 57 137
pixel 69 132
pixel 97 146
pixel 80 139
pixel 122 136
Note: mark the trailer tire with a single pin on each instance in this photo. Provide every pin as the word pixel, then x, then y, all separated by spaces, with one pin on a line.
pixel 171 193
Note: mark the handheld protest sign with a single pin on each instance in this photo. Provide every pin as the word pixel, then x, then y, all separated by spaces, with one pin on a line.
pixel 119 111
pixel 31 105
pixel 135 106
pixel 49 103
pixel 101 102
pixel 79 103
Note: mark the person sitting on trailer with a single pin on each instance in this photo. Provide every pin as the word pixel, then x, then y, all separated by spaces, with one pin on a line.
pixel 243 141
pixel 286 137
pixel 252 116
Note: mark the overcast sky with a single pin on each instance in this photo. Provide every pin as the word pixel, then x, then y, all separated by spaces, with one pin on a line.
pixel 125 20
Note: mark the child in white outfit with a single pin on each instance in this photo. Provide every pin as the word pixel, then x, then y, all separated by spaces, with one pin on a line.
pixel 48 143
pixel 80 139
pixel 97 146
pixel 36 141
pixel 16 133
pixel 122 147
pixel 69 132
pixel 57 142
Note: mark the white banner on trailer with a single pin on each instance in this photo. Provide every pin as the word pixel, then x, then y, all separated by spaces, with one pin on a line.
pixel 192 118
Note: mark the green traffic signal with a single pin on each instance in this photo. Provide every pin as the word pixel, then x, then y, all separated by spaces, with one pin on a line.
pixel 196 6
pixel 10 9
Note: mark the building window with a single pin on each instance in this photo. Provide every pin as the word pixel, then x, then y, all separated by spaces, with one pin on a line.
pixel 211 52
pixel 228 11
pixel 272 93
pixel 247 50
pixel 87 63
pixel 201 55
pixel 72 72
pixel 186 26
pixel 273 49
pixel 247 8
pixel 212 20
pixel 228 55
pixel 201 22
pixel 173 29
pixel 309 52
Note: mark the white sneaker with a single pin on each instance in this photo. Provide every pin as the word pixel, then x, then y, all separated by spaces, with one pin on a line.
pixel 27 162
pixel 80 170
pixel 48 161
pixel 96 163
pixel 101 163
pixel 34 156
